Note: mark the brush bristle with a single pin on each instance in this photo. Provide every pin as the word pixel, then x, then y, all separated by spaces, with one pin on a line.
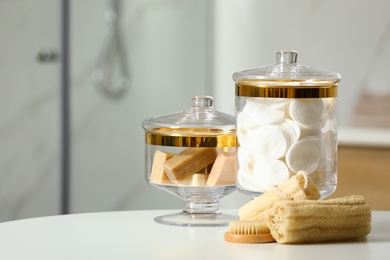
pixel 240 227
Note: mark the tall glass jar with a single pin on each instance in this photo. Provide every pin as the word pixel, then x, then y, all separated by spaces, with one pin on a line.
pixel 286 122
pixel 192 155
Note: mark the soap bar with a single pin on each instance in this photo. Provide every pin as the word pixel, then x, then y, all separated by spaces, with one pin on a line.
pixel 197 179
pixel 206 169
pixel 223 171
pixel 188 162
pixel 158 173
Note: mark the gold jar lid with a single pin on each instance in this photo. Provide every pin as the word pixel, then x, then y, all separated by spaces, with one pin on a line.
pixel 286 79
pixel 200 126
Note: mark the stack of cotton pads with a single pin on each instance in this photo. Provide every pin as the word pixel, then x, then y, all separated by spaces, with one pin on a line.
pixel 279 137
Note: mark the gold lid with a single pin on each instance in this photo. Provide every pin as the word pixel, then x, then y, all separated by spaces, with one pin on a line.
pixel 280 90
pixel 220 141
pixel 200 126
pixel 286 79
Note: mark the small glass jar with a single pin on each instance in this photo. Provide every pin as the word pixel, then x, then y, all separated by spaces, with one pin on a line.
pixel 192 154
pixel 286 122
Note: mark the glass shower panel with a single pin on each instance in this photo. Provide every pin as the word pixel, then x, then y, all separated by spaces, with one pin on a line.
pixel 164 44
pixel 30 111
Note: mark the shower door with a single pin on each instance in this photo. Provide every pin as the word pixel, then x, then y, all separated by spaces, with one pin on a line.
pixel 164 45
pixel 30 110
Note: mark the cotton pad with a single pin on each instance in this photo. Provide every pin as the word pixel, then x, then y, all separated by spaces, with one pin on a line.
pixel 273 103
pixel 330 140
pixel 247 181
pixel 269 142
pixel 293 129
pixel 244 160
pixel 269 173
pixel 279 103
pixel 304 155
pixel 306 132
pixel 306 112
pixel 329 107
pixel 245 125
pixel 261 113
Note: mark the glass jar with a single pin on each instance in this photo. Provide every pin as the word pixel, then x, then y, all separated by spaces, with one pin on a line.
pixel 191 154
pixel 286 122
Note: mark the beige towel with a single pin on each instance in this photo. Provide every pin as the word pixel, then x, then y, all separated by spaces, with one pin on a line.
pixel 298 187
pixel 308 221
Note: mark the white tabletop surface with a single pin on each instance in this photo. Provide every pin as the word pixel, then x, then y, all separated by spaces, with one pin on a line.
pixel 134 235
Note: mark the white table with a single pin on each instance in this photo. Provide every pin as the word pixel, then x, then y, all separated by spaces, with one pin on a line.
pixel 134 235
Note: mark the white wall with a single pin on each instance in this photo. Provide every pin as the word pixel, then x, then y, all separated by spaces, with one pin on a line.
pixel 349 37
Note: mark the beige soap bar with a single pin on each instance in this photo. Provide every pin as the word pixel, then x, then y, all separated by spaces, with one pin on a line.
pixel 206 169
pixel 158 173
pixel 197 179
pixel 188 162
pixel 224 170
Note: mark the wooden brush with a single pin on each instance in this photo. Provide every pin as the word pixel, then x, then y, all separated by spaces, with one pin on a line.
pixel 248 232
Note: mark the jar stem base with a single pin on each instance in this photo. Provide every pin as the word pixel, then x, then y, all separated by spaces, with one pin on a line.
pixel 187 219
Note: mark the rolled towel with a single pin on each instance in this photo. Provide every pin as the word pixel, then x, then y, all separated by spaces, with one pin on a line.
pixel 310 221
pixel 298 187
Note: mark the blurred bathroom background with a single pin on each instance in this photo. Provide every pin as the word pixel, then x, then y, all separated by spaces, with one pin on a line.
pixel 77 78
